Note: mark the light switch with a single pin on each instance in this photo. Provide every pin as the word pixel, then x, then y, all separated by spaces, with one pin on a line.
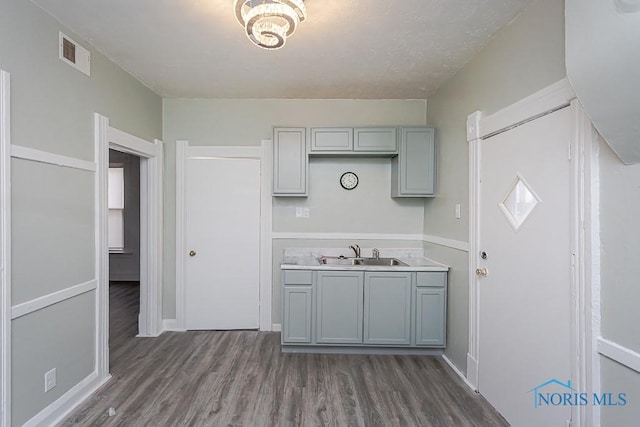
pixel 302 212
pixel 458 214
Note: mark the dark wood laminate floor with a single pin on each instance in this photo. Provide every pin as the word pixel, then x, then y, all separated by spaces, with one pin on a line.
pixel 240 378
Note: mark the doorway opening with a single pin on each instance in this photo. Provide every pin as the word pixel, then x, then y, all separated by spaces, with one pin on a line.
pixel 150 159
pixel 124 252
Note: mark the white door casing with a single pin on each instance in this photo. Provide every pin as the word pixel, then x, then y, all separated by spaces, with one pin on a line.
pixel 223 239
pixel 151 161
pixel 480 127
pixel 184 154
pixel 525 245
pixel 5 251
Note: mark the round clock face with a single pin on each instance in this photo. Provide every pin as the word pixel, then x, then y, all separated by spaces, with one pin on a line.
pixel 349 180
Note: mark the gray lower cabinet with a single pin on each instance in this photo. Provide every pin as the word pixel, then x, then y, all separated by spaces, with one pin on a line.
pixel 296 325
pixel 338 318
pixel 297 308
pixel 290 161
pixel 413 170
pixel 387 308
pixel 431 312
pixel 357 308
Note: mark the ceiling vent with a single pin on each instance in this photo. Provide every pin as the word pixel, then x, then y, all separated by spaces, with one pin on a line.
pixel 75 55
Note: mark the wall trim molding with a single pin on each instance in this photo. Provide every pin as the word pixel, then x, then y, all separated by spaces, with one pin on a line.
pixel 458 372
pixel 45 301
pixel 449 243
pixel 538 104
pixel 26 153
pixel 619 353
pixel 345 236
pixel 64 405
pixel 276 327
pixel 5 249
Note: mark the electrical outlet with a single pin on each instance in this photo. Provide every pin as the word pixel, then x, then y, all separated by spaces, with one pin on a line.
pixel 50 380
pixel 302 212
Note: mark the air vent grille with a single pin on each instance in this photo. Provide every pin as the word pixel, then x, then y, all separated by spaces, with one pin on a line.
pixel 68 50
pixel 75 55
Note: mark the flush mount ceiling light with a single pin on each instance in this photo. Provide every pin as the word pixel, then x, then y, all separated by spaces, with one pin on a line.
pixel 268 23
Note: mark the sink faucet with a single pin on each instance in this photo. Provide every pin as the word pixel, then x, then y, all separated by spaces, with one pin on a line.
pixel 375 253
pixel 356 250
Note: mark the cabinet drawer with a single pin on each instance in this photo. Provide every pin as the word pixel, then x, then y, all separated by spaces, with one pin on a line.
pixel 436 279
pixel 297 277
pixel 331 139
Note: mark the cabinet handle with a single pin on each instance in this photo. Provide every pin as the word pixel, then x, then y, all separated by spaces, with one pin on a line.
pixel 192 253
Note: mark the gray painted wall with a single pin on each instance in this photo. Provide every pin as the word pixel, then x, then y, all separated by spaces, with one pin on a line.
pixel 620 293
pixel 126 266
pixel 368 209
pixel 52 107
pixel 523 58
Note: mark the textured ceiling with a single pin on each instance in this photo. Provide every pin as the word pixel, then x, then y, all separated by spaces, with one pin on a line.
pixel 366 49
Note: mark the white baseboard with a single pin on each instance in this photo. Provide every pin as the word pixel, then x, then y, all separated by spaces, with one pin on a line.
pixel 620 354
pixel 276 327
pixel 472 372
pixel 458 371
pixel 61 408
pixel 171 325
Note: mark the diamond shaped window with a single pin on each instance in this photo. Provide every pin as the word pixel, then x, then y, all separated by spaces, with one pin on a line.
pixel 519 202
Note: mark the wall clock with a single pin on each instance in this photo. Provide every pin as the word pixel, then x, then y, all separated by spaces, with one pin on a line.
pixel 349 180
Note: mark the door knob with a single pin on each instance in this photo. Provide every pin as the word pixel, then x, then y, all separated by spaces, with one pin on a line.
pixel 482 272
pixel 192 253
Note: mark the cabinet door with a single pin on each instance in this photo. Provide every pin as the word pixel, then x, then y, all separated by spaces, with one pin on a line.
pixel 376 140
pixel 413 171
pixel 387 308
pixel 290 162
pixel 430 316
pixel 296 321
pixel 339 307
pixel 331 139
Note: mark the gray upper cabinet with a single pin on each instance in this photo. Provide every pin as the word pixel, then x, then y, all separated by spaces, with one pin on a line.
pixel 339 307
pixel 364 141
pixel 375 140
pixel 290 162
pixel 413 171
pixel 387 308
pixel 331 139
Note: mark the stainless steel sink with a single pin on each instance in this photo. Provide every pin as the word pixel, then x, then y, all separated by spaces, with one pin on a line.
pixel 380 261
pixel 331 260
pixel 390 262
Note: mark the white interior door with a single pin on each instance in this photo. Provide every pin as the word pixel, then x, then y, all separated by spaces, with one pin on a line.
pixel 525 305
pixel 223 243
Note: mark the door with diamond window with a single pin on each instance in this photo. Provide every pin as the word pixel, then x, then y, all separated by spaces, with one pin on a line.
pixel 525 244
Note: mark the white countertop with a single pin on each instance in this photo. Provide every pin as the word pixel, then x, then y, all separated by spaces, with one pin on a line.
pixel 309 259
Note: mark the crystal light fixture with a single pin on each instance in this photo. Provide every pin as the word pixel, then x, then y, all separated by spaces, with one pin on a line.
pixel 268 23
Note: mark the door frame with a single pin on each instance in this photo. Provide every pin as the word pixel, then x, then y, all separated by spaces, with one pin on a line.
pixel 151 166
pixel 5 249
pixel 264 153
pixel 480 127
